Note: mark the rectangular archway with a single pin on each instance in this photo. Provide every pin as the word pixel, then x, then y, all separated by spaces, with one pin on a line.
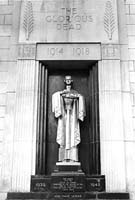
pixel 51 76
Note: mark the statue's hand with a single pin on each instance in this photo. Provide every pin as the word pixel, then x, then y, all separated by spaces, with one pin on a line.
pixel 64 92
pixel 70 95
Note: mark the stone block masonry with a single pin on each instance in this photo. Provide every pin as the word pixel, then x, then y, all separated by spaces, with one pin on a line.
pixel 7 93
pixel 3 2
pixel 129 144
pixel 19 98
pixel 130 21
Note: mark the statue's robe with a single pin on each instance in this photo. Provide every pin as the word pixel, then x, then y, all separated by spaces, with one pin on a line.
pixel 68 145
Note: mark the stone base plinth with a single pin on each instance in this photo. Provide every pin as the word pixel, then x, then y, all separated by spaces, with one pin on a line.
pixel 68 167
pixel 67 182
pixel 46 195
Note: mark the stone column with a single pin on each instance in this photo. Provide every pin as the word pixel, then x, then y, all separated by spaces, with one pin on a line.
pixel 24 141
pixel 111 120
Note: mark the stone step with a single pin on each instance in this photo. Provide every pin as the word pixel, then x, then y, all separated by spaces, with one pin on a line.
pixel 65 196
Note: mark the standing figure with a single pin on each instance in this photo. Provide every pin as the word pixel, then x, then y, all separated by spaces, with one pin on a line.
pixel 69 107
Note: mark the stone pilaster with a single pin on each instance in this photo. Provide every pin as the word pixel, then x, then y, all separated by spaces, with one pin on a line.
pixel 111 120
pixel 24 128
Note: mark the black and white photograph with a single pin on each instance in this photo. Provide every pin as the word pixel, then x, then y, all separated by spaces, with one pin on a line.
pixel 67 99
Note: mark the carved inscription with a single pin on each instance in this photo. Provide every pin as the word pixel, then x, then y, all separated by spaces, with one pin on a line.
pixel 40 184
pixel 69 19
pixel 69 51
pixel 96 184
pixel 68 184
pixel 78 51
pixel 26 51
pixel 65 196
pixel 42 187
pixel 110 51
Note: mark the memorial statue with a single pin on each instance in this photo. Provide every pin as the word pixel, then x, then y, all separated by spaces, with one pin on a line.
pixel 69 107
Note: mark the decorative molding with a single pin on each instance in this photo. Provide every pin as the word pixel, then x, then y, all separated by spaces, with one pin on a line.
pixel 48 21
pixel 28 22
pixel 42 8
pixel 27 51
pixel 110 52
pixel 109 20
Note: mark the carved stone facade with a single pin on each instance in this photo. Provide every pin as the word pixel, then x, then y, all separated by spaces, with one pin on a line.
pixel 35 31
pixel 61 21
pixel 109 20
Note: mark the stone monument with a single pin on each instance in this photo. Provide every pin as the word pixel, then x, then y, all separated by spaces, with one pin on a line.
pixel 67 180
pixel 69 107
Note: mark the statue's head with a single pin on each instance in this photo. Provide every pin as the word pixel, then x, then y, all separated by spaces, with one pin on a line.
pixel 68 80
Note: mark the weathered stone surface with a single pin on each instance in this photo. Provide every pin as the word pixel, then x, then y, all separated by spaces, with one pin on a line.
pixel 110 52
pixel 131 54
pixel 6 9
pixel 5 41
pixel 27 51
pixel 93 30
pixel 67 183
pixel 69 21
pixel 130 19
pixel 5 30
pixel 39 196
pixel 2 19
pixel 115 177
pixel 132 9
pixel 131 30
pixel 24 137
pixel 68 52
pixel 8 19
pixel 40 183
pixel 95 183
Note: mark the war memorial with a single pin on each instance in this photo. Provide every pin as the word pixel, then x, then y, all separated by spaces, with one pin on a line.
pixel 67 99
